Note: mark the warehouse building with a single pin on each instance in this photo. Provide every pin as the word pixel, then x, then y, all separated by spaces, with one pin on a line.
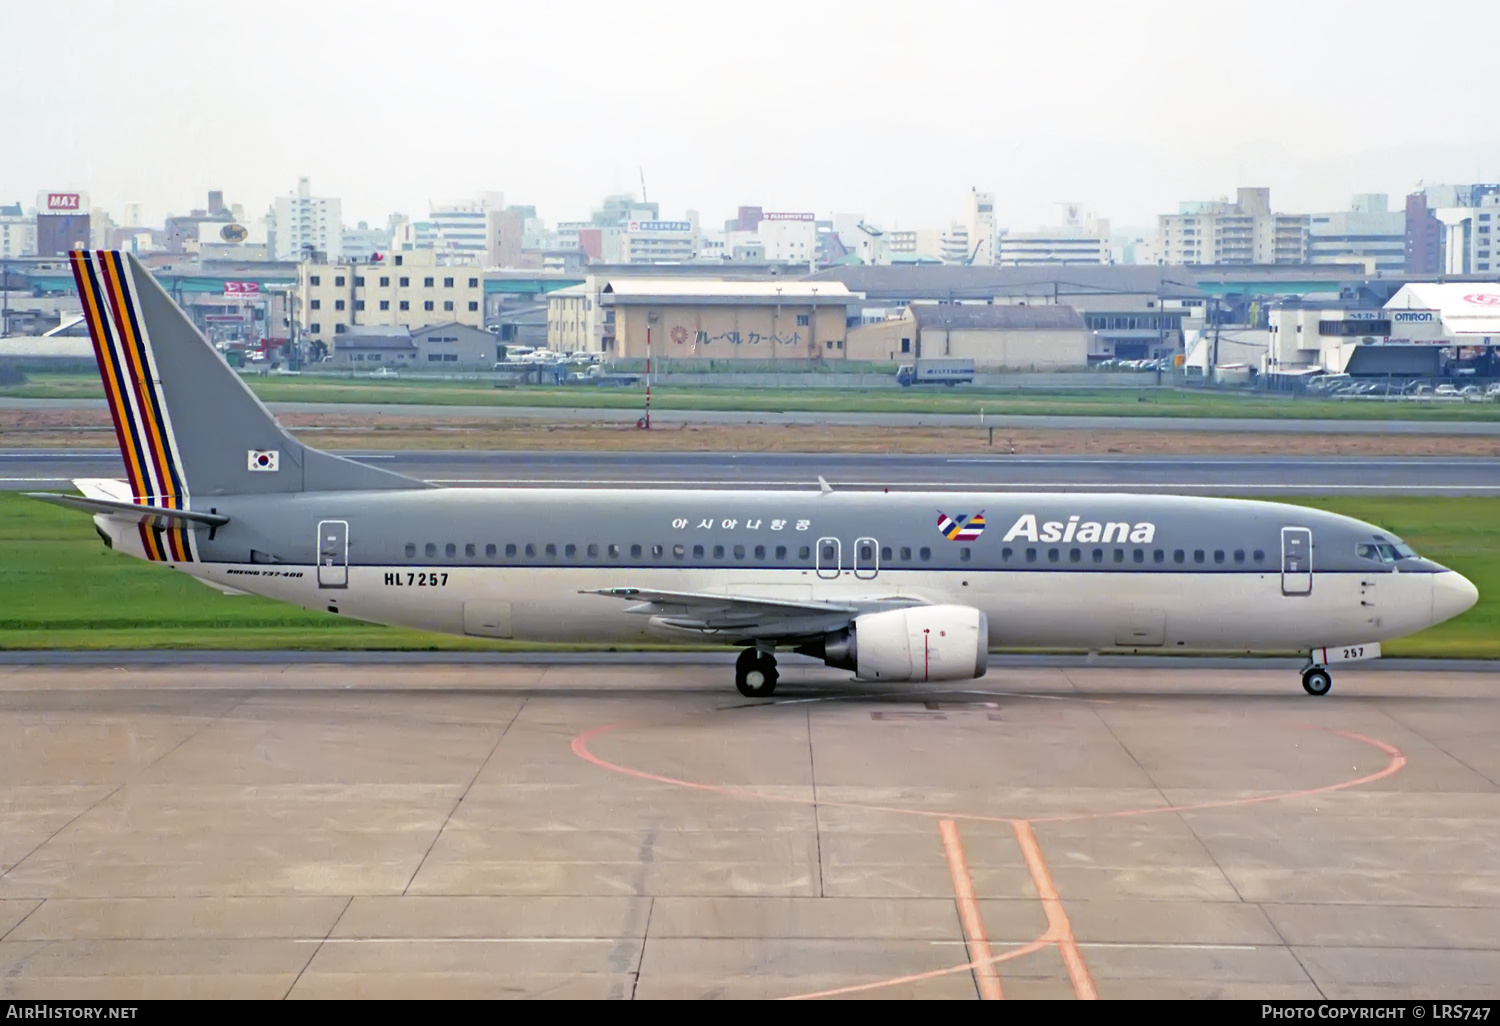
pixel 1011 337
pixel 702 319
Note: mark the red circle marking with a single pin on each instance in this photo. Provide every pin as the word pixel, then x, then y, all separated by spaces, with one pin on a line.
pixel 1483 299
pixel 1397 761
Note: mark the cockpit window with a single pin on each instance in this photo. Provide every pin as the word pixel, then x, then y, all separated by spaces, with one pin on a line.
pixel 1385 552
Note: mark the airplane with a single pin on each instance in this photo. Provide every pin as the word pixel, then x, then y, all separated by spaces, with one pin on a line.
pixel 894 586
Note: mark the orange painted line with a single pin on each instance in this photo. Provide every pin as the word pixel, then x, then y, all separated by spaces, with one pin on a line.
pixel 932 974
pixel 580 748
pixel 1058 926
pixel 105 351
pixel 985 976
pixel 145 396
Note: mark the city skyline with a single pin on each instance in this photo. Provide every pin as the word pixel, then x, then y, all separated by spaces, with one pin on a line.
pixel 831 109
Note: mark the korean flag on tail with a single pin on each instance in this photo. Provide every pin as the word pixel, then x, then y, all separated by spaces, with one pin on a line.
pixel 265 459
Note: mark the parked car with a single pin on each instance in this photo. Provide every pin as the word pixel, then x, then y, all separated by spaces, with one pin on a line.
pixel 1449 390
pixel 1493 392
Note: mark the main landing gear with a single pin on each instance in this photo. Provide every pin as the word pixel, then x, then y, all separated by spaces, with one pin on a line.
pixel 755 673
pixel 1316 681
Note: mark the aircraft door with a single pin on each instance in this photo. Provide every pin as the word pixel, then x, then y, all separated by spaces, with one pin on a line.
pixel 828 558
pixel 1296 561
pixel 333 554
pixel 866 558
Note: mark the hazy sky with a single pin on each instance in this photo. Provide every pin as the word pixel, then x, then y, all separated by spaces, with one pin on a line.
pixel 894 110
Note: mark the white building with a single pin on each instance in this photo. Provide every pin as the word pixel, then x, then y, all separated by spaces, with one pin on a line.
pixel 1080 239
pixel 1243 232
pixel 17 232
pixel 651 242
pixel 980 224
pixel 788 238
pixel 465 231
pixel 361 244
pixel 954 246
pixel 306 224
pixel 1469 216
pixel 1368 233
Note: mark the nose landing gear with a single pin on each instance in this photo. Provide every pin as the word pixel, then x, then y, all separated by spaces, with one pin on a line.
pixel 755 673
pixel 1316 681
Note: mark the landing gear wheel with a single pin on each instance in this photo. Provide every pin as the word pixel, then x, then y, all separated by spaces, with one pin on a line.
pixel 755 674
pixel 1316 681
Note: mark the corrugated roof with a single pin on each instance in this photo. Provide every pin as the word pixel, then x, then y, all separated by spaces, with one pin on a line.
pixel 690 288
pixel 984 317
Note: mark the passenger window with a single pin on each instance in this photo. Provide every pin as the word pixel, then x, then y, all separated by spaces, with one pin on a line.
pixel 614 551
pixel 430 549
pixel 679 551
pixel 657 550
pixel 739 552
pixel 1178 556
pixel 718 552
pixel 781 552
pixel 760 552
pixel 697 551
pixel 1119 555
pixel 1218 555
pixel 1053 555
pixel 1075 555
pixel 469 549
pixel 1260 555
pixel 1197 555
pixel 531 549
pixel 1031 555
pixel 593 549
pixel 885 554
pixel 867 553
pixel 1239 556
pixel 570 550
pixel 551 550
pixel 924 553
pixel 964 554
pixel 489 551
pixel 1005 554
pixel 829 554
pixel 510 548
pixel 804 552
pixel 450 549
pixel 411 550
pixel 1140 555
pixel 1098 555
pixel 906 554
pixel 1158 556
pixel 635 552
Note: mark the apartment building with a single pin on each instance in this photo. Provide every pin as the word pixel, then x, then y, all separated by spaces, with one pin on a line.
pixel 408 289
pixel 1246 231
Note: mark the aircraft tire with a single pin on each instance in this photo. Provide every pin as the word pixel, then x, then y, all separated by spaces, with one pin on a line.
pixel 755 675
pixel 1316 681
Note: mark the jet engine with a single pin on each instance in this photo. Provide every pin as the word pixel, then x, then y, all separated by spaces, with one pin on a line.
pixel 918 643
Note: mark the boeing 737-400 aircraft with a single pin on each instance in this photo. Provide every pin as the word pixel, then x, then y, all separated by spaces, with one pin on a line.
pixel 893 586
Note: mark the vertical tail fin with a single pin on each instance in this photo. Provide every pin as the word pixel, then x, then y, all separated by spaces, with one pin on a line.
pixel 186 423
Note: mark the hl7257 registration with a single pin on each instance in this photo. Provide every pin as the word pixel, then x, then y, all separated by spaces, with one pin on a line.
pixel 420 579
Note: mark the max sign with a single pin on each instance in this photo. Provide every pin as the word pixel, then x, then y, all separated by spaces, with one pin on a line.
pixel 62 201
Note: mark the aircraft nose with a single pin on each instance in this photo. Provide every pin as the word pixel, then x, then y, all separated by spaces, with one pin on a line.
pixel 1452 594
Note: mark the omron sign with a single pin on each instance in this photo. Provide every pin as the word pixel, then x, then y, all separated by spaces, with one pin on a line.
pixel 62 200
pixel 1413 316
pixel 787 217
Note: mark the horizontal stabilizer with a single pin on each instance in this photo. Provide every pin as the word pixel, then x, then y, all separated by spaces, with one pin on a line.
pixel 157 516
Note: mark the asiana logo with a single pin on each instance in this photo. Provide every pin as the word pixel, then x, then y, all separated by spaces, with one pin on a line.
pixel 1076 529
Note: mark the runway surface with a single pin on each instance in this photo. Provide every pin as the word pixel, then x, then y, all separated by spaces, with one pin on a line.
pixel 627 416
pixel 1218 475
pixel 627 830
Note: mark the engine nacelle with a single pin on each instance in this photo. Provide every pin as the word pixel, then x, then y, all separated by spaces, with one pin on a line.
pixel 918 643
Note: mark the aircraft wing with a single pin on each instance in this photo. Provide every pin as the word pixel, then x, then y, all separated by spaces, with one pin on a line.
pixel 746 616
pixel 157 516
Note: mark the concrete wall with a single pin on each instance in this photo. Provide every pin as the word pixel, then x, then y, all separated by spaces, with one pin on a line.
pixel 1043 350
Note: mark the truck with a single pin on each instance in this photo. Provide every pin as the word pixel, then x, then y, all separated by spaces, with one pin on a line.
pixel 936 370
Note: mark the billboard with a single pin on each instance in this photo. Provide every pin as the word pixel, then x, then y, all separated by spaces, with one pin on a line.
pixel 788 217
pixel 247 290
pixel 661 226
